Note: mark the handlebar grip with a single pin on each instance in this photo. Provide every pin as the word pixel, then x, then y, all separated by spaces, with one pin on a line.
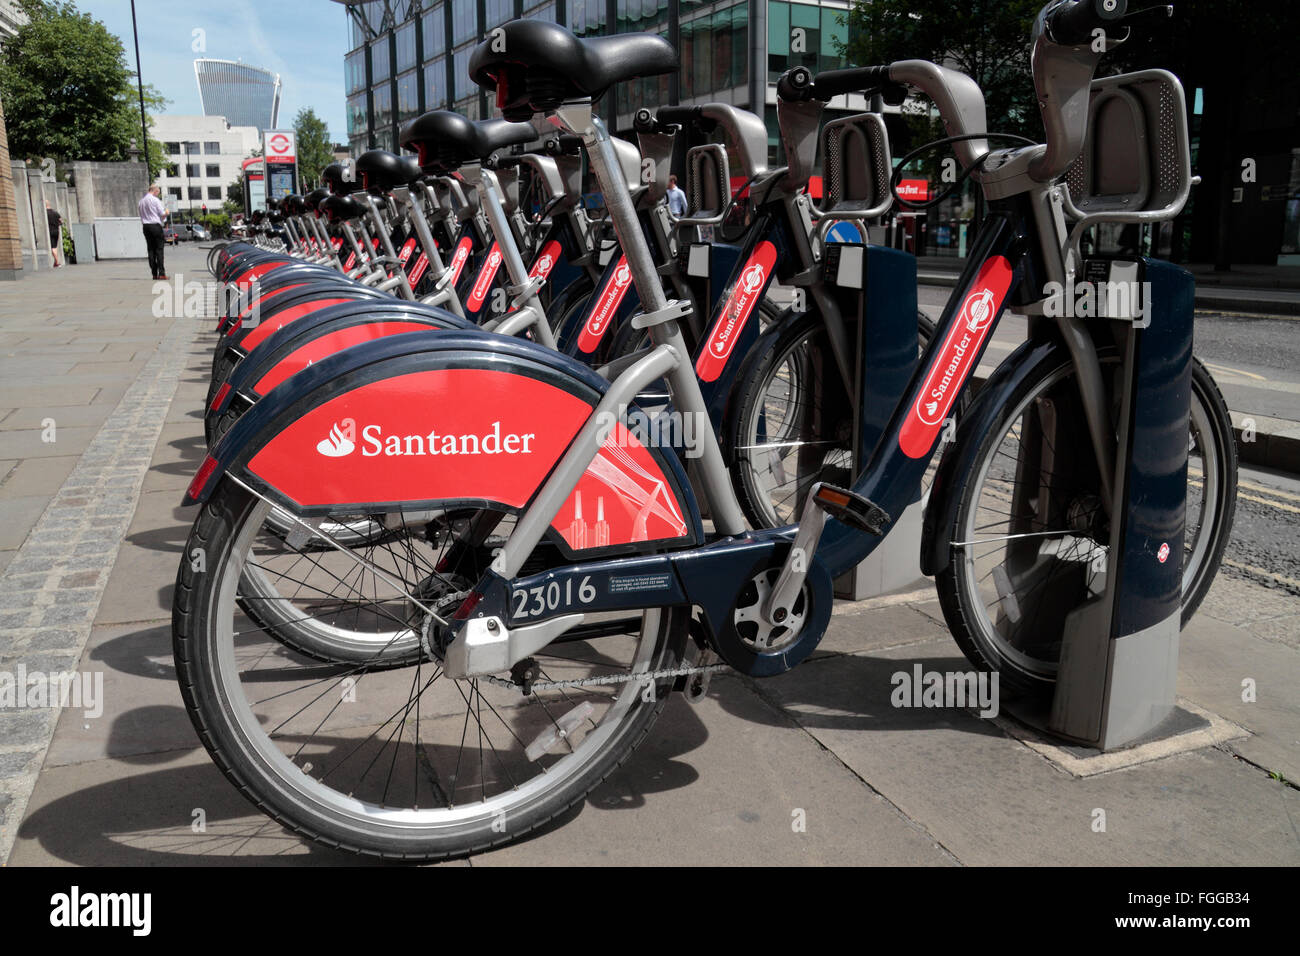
pixel 795 85
pixel 678 115
pixel 567 144
pixel 851 80
pixel 1073 23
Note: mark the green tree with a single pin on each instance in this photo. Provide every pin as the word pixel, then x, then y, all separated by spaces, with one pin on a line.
pixel 234 201
pixel 988 40
pixel 67 89
pixel 315 148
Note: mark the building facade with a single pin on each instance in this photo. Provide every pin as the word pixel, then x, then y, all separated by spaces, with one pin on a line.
pixel 410 56
pixel 11 18
pixel 205 154
pixel 245 95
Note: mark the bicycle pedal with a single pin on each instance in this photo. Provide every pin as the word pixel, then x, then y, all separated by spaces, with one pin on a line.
pixel 852 509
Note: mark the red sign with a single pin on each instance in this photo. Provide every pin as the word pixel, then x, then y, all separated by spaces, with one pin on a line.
pixel 280 147
pixel 740 305
pixel 914 190
pixel 956 358
pixel 607 303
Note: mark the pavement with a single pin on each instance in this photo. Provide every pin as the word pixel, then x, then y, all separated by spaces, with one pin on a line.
pixel 814 767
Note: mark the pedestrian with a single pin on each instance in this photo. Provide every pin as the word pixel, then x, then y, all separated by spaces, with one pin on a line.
pixel 152 216
pixel 676 198
pixel 55 222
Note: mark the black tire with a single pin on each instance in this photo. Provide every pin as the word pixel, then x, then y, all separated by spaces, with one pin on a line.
pixel 260 759
pixel 806 332
pixel 1034 587
pixel 791 397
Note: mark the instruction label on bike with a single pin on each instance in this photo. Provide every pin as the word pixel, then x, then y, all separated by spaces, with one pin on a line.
pixel 740 305
pixel 640 582
pixel 956 358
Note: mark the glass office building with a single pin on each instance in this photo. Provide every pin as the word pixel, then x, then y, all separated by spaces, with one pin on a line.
pixel 409 56
pixel 245 95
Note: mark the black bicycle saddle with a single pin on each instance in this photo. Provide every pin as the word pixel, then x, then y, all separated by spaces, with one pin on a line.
pixel 534 65
pixel 333 176
pixel 444 140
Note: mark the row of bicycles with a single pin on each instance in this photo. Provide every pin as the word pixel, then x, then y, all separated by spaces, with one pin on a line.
pixel 493 470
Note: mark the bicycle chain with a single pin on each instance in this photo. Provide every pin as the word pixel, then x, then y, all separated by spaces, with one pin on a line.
pixel 639 676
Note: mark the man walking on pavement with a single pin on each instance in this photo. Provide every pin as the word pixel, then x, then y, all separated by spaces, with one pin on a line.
pixel 152 215
pixel 55 222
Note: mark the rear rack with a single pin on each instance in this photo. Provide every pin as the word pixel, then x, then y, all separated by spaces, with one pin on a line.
pixel 1135 165
pixel 856 165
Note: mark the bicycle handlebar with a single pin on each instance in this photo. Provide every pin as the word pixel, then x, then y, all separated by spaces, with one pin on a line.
pixel 1073 23
pixel 799 84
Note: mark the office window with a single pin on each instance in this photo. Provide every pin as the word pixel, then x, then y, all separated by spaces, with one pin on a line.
pixel 354 71
pixel 379 62
pixel 235 192
pixel 460 69
pixel 383 101
pixel 212 171
pixel 192 149
pixel 408 95
pixel 435 84
pixel 464 25
pixel 405 46
pixel 214 192
pixel 821 30
pixel 544 12
pixel 212 148
pixel 357 115
pixel 174 192
pixel 435 34
pixel 191 170
pixel 173 149
pixel 196 192
pixel 498 12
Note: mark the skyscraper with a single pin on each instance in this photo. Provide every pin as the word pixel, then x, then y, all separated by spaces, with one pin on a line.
pixel 245 95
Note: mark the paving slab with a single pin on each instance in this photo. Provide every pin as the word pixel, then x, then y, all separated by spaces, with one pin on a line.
pixel 37 476
pixel 990 800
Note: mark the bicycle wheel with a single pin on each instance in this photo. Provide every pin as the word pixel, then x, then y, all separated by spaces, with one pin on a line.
pixel 400 761
pixel 1030 540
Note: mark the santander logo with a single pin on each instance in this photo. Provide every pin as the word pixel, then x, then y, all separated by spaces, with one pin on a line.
pixel 740 305
pixel 955 359
pixel 459 258
pixel 375 443
pixel 546 261
pixel 606 306
pixel 484 281
pixel 336 444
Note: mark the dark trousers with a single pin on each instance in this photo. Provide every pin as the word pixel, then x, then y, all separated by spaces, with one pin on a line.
pixel 153 238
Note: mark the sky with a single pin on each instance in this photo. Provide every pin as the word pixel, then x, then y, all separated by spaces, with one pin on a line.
pixel 302 40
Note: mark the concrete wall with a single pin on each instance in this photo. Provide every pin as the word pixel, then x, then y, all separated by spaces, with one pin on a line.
pixel 108 189
pixel 11 250
pixel 38 190
pixel 23 202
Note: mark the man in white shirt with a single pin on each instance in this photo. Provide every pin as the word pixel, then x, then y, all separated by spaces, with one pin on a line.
pixel 152 216
pixel 676 198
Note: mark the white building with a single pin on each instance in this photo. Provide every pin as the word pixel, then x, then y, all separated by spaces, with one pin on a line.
pixel 206 153
pixel 11 18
